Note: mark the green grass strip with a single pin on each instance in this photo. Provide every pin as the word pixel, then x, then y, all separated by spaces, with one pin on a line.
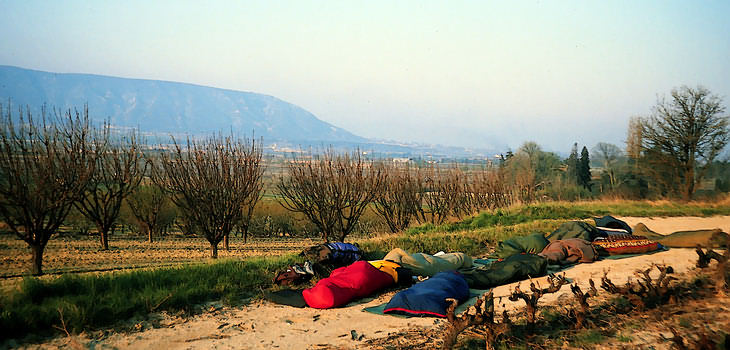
pixel 474 242
pixel 92 301
pixel 572 211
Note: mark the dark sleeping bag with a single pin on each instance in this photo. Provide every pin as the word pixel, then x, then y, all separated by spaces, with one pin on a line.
pixel 515 268
pixel 346 284
pixel 428 298
pixel 611 222
pixel 533 244
pixel 575 229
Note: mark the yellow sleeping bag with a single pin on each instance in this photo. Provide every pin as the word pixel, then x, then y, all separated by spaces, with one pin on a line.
pixel 387 267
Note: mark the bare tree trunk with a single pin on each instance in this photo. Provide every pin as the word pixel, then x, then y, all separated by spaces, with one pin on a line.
pixel 37 268
pixel 149 235
pixel 103 237
pixel 690 183
pixel 104 240
pixel 214 250
pixel 225 243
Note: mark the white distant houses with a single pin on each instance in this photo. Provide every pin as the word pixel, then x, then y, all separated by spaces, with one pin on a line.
pixel 401 160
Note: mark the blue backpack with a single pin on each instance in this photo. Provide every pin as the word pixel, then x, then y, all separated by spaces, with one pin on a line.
pixel 343 254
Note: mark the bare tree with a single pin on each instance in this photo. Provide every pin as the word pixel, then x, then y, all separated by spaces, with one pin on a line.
pixel 212 180
pixel 489 189
pixel 44 167
pixel 436 194
pixel 150 206
pixel 457 188
pixel 185 225
pixel 247 213
pixel 248 209
pixel 118 172
pixel 523 178
pixel 332 191
pixel 608 154
pixel 399 201
pixel 682 137
pixel 634 139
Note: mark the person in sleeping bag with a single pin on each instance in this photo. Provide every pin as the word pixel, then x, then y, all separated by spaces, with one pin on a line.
pixel 428 298
pixel 346 284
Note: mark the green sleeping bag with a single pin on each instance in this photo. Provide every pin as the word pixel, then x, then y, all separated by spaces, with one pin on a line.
pixel 533 244
pixel 515 268
pixel 575 229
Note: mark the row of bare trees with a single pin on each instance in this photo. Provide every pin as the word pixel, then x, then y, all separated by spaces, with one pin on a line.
pixel 333 191
pixel 50 165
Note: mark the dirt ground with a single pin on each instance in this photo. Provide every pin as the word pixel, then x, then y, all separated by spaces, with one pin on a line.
pixel 264 325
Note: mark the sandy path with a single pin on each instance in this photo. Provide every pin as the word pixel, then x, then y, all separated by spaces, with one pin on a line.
pixel 263 325
pixel 667 225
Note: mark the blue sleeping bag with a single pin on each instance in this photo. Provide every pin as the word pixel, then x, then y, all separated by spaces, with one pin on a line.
pixel 428 298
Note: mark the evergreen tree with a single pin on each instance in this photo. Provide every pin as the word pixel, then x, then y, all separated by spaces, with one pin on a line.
pixel 584 169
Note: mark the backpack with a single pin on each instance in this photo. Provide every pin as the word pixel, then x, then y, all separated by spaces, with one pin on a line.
pixel 294 274
pixel 343 254
pixel 337 253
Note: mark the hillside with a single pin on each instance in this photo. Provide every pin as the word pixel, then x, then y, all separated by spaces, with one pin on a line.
pixel 168 107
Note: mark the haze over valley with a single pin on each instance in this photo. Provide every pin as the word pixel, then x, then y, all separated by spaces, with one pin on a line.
pixel 162 108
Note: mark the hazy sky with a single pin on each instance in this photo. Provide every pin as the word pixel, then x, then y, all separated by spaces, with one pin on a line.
pixel 476 73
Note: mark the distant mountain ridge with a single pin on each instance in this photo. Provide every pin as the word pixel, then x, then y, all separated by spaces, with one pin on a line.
pixel 168 107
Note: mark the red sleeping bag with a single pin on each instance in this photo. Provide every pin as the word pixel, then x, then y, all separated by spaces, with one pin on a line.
pixel 346 284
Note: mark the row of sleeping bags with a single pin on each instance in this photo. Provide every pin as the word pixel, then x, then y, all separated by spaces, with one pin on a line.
pixel 450 275
pixel 529 256
pixel 516 259
pixel 363 278
pixel 578 242
pixel 521 257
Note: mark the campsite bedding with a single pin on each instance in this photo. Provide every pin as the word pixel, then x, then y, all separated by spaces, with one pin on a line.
pixel 514 268
pixel 533 244
pixel 363 278
pixel 611 222
pixel 428 298
pixel 422 264
pixel 575 229
pixel 607 231
pixel 624 244
pixel 569 251
pixel 346 284
pixel 388 267
pixel 690 239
